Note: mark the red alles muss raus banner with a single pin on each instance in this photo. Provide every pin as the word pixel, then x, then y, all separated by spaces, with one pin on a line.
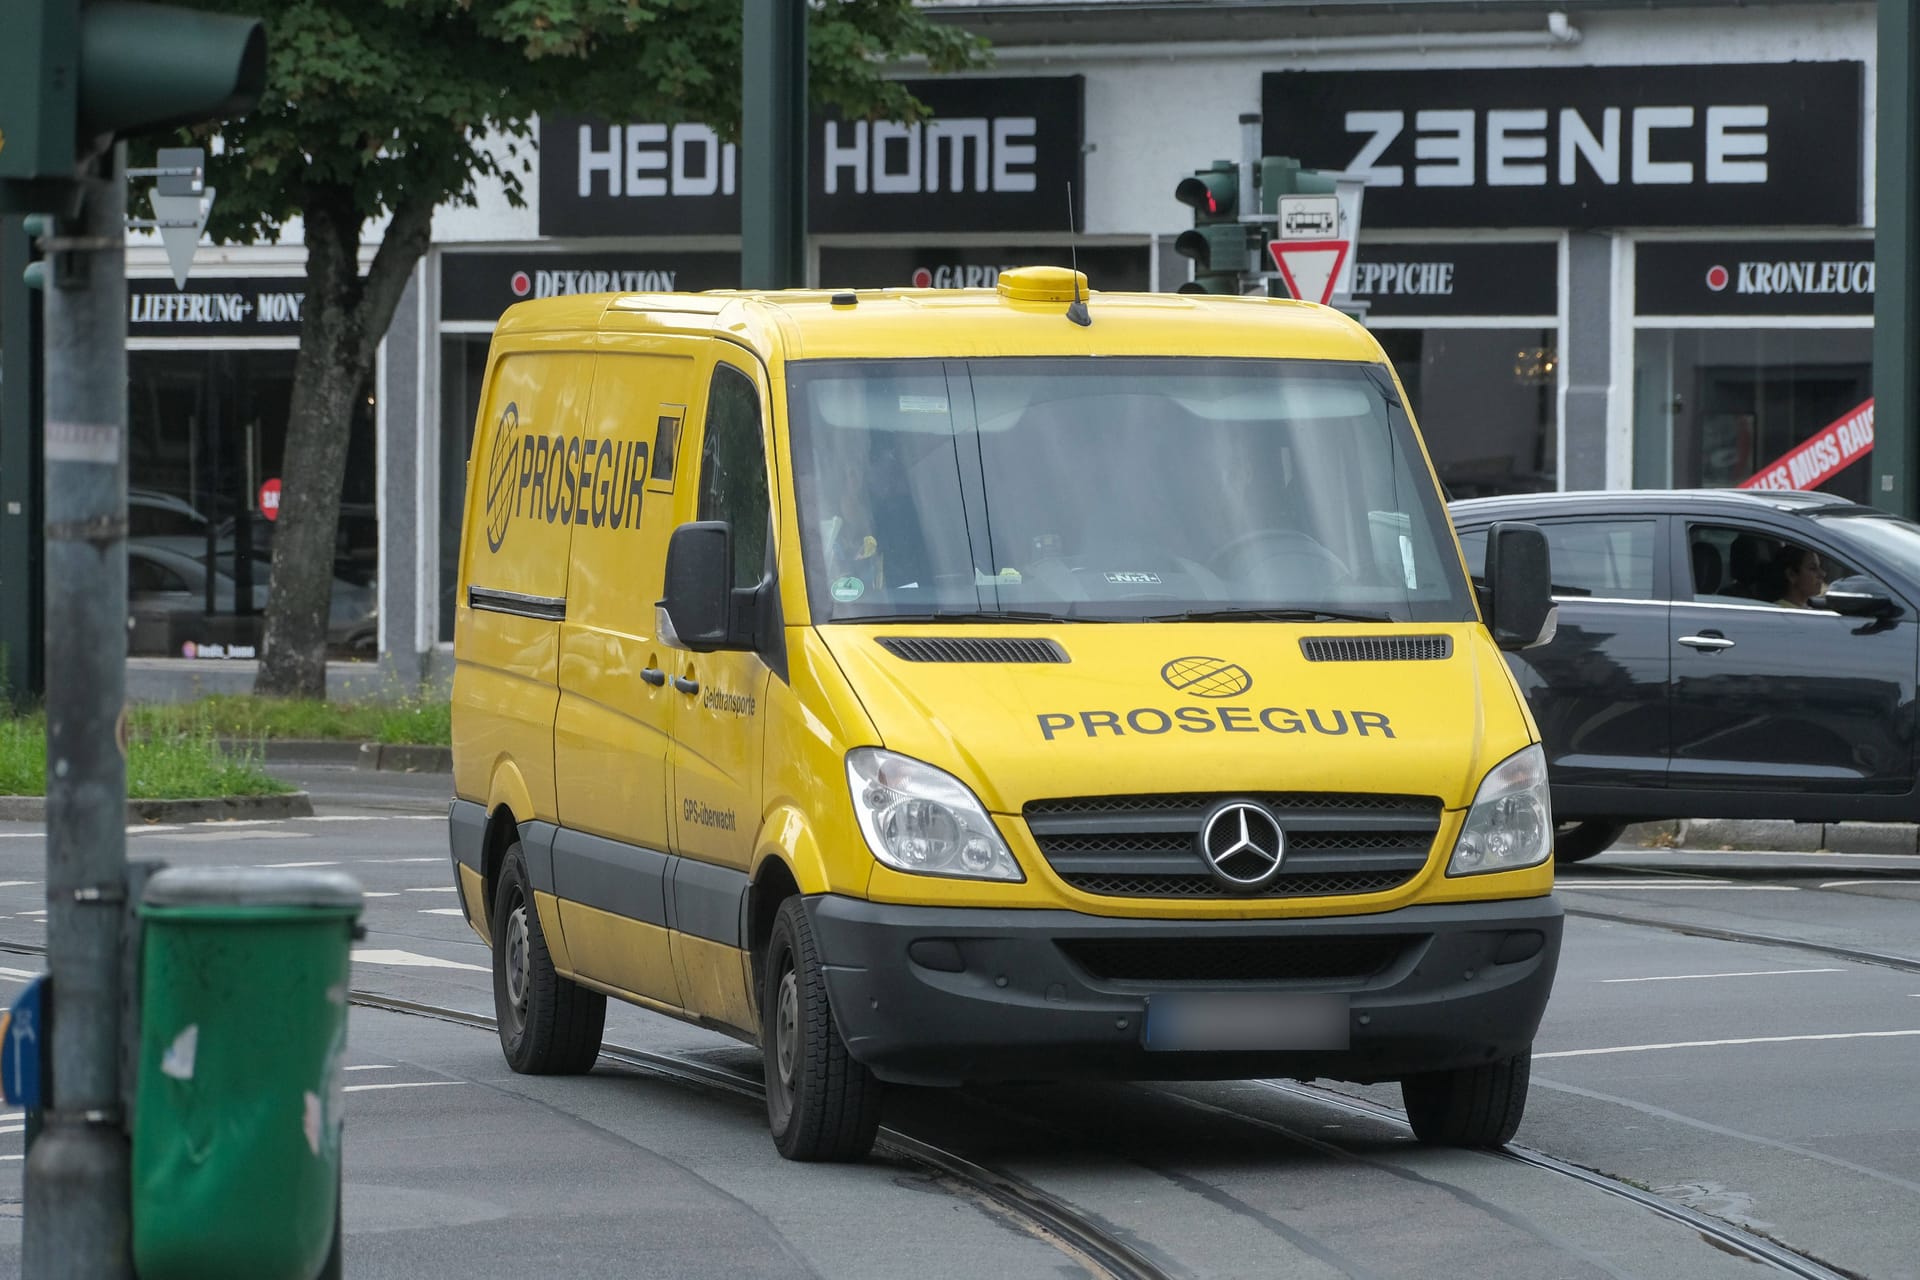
pixel 1830 449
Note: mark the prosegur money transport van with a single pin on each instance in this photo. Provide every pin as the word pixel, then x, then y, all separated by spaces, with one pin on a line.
pixel 939 687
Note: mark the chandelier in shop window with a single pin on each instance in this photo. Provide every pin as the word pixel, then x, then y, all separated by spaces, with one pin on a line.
pixel 1535 366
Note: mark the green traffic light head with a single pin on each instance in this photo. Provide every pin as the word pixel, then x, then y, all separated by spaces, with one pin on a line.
pixel 145 67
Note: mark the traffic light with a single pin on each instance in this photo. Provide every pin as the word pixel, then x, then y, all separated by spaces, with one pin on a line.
pixel 77 74
pixel 1218 243
pixel 1283 176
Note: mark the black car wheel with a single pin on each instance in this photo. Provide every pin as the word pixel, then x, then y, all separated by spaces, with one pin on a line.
pixel 821 1104
pixel 1579 840
pixel 1469 1107
pixel 548 1025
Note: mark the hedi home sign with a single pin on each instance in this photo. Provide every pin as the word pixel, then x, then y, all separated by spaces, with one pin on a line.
pixel 1775 144
pixel 996 155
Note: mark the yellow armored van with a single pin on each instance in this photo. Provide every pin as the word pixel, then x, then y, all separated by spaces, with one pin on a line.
pixel 1017 684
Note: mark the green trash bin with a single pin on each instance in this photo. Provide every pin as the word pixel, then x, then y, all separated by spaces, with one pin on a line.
pixel 243 1035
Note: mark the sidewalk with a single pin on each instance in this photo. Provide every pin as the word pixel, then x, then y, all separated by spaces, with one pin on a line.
pixel 1790 837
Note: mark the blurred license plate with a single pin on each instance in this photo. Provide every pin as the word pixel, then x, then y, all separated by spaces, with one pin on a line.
pixel 1246 1020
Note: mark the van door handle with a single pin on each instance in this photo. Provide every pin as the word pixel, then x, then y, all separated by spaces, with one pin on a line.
pixel 1710 643
pixel 653 676
pixel 685 685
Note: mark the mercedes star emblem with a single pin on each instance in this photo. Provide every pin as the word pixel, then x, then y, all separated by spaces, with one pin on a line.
pixel 1243 845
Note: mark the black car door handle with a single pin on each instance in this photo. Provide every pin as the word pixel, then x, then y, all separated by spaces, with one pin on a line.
pixel 685 685
pixel 1709 642
pixel 653 676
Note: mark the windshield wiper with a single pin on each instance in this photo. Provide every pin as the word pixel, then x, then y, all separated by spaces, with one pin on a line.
pixel 1268 615
pixel 970 615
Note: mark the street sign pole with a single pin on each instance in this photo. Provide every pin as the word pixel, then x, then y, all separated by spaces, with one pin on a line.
pixel 1896 254
pixel 77 1187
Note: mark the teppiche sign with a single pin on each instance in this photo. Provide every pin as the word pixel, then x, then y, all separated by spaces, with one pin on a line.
pixel 1717 145
pixel 995 155
pixel 1830 451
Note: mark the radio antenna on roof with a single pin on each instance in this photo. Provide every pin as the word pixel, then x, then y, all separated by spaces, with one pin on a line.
pixel 1077 309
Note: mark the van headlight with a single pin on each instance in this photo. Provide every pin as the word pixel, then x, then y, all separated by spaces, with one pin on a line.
pixel 1511 822
pixel 920 819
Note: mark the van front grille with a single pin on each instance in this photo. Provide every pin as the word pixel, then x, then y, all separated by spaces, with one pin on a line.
pixel 1290 959
pixel 1338 844
pixel 1377 648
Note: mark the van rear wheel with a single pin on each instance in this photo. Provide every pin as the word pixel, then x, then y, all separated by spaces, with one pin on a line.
pixel 821 1104
pixel 1471 1106
pixel 548 1025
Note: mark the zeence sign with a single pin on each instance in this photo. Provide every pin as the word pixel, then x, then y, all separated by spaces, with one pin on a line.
pixel 1714 145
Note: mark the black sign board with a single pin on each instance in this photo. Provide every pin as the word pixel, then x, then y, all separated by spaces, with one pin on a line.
pixel 996 155
pixel 479 286
pixel 243 307
pixel 1458 279
pixel 1753 278
pixel 1717 145
pixel 1114 268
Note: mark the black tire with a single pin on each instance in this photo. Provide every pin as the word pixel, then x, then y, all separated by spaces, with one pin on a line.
pixel 1469 1107
pixel 549 1026
pixel 1577 841
pixel 821 1104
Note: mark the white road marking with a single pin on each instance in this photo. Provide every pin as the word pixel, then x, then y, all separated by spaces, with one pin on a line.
pixel 287 866
pixel 436 889
pixel 370 1066
pixel 410 1084
pixel 415 961
pixel 216 834
pixel 17 975
pixel 1842 884
pixel 1714 1044
pixel 371 817
pixel 1677 884
pixel 13 1128
pixel 439 859
pixel 15 884
pixel 12 1157
pixel 442 911
pixel 42 911
pixel 1752 973
pixel 379 893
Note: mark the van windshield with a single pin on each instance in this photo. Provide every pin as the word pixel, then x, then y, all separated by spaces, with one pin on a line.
pixel 1115 489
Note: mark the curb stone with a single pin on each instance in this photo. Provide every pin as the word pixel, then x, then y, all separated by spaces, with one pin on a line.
pixel 292 804
pixel 404 758
pixel 1774 835
pixel 294 750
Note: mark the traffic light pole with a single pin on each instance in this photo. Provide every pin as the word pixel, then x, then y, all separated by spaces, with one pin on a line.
pixel 77 1180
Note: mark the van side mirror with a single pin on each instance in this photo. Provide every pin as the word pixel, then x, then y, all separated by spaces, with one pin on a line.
pixel 697 612
pixel 1520 581
pixel 1856 597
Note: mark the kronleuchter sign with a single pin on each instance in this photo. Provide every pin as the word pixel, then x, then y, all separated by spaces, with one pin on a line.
pixel 1826 454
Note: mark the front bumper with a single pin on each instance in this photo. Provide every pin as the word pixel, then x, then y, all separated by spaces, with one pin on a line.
pixel 929 995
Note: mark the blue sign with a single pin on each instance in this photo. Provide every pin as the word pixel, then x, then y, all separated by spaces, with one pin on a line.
pixel 22 1047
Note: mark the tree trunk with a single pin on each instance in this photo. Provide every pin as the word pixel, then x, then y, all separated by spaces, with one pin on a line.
pixel 342 321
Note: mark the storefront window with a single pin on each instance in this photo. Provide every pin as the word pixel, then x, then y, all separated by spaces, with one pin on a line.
pixel 206 434
pixel 463 367
pixel 1485 402
pixel 1712 407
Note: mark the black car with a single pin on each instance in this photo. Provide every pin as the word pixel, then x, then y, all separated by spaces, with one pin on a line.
pixel 1720 654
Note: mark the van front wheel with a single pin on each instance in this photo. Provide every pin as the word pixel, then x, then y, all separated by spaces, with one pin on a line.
pixel 548 1025
pixel 1469 1107
pixel 821 1104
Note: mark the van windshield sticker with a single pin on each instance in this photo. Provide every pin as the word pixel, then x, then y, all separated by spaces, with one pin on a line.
pixel 848 589
pixel 923 404
pixel 1127 578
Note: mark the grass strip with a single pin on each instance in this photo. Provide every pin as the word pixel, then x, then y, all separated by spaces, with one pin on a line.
pixel 408 721
pixel 162 763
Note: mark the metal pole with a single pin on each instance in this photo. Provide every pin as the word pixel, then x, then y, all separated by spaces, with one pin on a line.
pixel 22 655
pixel 77 1185
pixel 773 144
pixel 1896 255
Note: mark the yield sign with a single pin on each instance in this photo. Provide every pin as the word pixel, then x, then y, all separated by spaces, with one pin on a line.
pixel 1309 266
pixel 181 220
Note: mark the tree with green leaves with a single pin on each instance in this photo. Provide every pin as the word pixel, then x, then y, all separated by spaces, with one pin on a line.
pixel 392 108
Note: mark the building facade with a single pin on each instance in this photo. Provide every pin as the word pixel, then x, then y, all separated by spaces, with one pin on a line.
pixel 1605 244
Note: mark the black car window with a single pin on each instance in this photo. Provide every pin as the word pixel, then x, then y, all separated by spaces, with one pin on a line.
pixel 147 576
pixel 1607 558
pixel 1735 565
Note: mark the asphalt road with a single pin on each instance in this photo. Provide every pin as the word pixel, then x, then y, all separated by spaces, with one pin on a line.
pixel 1768 1085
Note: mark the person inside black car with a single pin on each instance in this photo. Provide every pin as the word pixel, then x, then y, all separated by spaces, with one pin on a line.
pixel 1799 576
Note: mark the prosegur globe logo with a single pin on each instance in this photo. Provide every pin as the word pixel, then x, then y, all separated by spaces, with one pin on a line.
pixel 503 465
pixel 1207 677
